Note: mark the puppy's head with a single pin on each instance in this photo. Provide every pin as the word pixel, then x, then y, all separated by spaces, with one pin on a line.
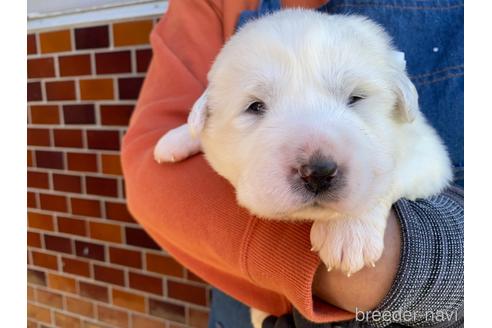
pixel 300 113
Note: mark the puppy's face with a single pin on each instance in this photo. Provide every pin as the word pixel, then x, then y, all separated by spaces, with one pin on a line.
pixel 300 114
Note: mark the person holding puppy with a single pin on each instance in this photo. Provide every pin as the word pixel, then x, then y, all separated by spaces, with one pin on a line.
pixel 192 212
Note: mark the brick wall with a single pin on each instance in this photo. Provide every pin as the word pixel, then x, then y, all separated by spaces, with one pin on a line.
pixel 89 263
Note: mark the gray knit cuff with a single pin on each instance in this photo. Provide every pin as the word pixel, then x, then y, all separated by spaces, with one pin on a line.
pixel 428 289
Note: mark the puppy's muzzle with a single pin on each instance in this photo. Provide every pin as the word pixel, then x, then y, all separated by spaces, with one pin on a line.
pixel 318 175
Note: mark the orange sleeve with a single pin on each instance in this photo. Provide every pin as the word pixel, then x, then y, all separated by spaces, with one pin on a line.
pixel 187 208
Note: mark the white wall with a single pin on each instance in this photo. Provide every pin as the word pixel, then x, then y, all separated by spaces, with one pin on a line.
pixel 40 7
pixel 77 13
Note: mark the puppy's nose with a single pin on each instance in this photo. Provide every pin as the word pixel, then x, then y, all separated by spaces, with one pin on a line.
pixel 317 176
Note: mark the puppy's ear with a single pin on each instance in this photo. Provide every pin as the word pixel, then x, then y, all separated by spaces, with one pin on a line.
pixel 408 99
pixel 198 115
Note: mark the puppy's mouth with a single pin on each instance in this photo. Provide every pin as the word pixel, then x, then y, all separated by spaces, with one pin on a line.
pixel 317 204
pixel 315 210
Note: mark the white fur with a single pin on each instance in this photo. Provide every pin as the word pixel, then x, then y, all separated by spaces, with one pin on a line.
pixel 257 317
pixel 304 65
pixel 176 145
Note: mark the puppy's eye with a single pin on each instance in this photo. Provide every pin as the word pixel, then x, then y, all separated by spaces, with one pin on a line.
pixel 257 108
pixel 353 99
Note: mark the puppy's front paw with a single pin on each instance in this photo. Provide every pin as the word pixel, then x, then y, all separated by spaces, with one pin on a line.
pixel 176 145
pixel 348 244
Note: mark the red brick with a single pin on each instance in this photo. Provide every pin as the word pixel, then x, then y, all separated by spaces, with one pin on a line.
pixel 38 137
pixel 77 267
pixel 38 313
pixel 105 231
pixel 37 180
pixel 86 207
pixel 65 182
pixel 58 244
pixel 113 62
pixel 132 33
pixel 118 212
pixel 31 44
pixel 60 90
pixel 29 158
pixel 144 57
pixel 40 67
pixel 53 202
pixel 96 89
pixel 36 277
pixel 198 318
pixel 30 293
pixel 72 226
pixel 51 299
pixel 111 316
pixel 89 250
pixel 101 186
pixel 33 239
pixel 111 164
pixel 49 159
pixel 92 37
pixel 129 88
pixel 92 324
pixel 123 192
pixel 44 260
pixel 138 237
pixel 40 221
pixel 125 257
pixel 145 283
pixel 68 138
pixel 193 277
pixel 93 291
pixel 79 114
pixel 45 114
pixel 167 310
pixel 31 200
pixel 187 293
pixel 139 321
pixel 118 115
pixel 109 275
pixel 66 321
pixel 34 91
pixel 164 265
pixel 128 300
pixel 55 41
pixel 75 65
pixel 105 140
pixel 82 162
pixel 80 306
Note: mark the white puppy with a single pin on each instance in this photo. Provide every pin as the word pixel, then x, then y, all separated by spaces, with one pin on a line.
pixel 312 117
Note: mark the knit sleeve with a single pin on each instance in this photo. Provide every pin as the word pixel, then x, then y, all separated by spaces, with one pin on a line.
pixel 428 289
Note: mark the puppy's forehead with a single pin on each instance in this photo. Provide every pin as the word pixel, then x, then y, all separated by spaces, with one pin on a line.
pixel 294 44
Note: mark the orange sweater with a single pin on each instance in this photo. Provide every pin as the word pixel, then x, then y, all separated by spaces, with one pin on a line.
pixel 187 208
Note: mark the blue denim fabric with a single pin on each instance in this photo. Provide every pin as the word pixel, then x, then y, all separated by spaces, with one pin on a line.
pixel 265 7
pixel 226 312
pixel 430 33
